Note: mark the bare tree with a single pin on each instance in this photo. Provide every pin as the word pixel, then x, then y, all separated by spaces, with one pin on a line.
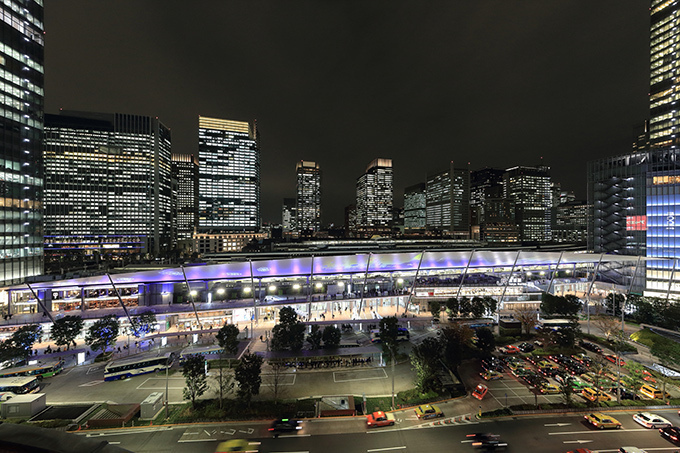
pixel 607 324
pixel 527 317
pixel 225 382
pixel 277 377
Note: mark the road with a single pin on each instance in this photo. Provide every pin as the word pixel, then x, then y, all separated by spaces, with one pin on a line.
pixel 545 434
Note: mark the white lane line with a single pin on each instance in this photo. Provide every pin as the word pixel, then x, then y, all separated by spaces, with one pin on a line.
pixel 576 441
pixel 600 431
pixel 387 449
pixel 557 424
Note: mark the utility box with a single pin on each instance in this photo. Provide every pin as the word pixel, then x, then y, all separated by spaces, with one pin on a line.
pixel 23 405
pixel 151 406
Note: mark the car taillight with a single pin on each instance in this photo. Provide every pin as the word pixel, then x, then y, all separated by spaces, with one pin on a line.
pixel 271 429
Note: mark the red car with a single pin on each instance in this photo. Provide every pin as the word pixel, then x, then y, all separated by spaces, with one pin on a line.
pixel 510 349
pixel 612 359
pixel 379 418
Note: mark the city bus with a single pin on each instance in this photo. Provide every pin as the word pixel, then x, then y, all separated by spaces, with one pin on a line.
pixel 40 370
pixel 402 335
pixel 553 324
pixel 126 368
pixel 19 385
pixel 211 352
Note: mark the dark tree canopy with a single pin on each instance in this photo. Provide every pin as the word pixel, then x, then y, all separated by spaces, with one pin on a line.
pixel 314 337
pixel 227 338
pixel 389 331
pixel 195 379
pixel 143 324
pixel 331 337
pixel 477 307
pixel 289 333
pixel 103 333
pixel 66 329
pixel 486 342
pixel 435 308
pixel 247 374
pixel 567 306
pixel 425 361
pixel 20 344
pixel 455 340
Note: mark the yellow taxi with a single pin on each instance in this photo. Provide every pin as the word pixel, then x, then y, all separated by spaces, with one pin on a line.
pixel 602 421
pixel 236 445
pixel 550 389
pixel 591 394
pixel 428 411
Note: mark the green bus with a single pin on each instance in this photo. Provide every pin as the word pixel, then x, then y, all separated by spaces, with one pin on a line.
pixel 39 370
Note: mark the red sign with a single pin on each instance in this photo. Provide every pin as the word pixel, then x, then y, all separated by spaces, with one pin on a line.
pixel 636 223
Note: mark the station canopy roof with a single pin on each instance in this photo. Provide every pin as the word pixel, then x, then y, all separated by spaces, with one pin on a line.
pixel 343 264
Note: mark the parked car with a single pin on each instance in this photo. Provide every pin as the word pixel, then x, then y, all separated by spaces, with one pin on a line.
pixel 509 349
pixel 491 375
pixel 525 347
pixel 612 359
pixel 590 346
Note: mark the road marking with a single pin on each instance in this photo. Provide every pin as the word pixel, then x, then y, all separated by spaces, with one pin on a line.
pixel 285 378
pixel 91 383
pixel 388 448
pixel 349 373
pixel 599 431
pixel 576 441
pixel 557 424
pixel 152 386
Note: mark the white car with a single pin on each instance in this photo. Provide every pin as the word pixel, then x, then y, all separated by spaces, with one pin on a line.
pixel 649 420
pixel 631 450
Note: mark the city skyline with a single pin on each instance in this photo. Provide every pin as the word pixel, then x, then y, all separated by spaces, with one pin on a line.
pixel 334 82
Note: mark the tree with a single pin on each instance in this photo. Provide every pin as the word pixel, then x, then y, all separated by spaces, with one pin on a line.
pixel 314 337
pixel 278 370
pixel 565 337
pixel 491 304
pixel 486 342
pixel 65 330
pixel 248 376
pixel 195 379
pixel 567 306
pixel 464 306
pixel 527 317
pixel 635 376
pixel 425 361
pixel 435 308
pixel 567 390
pixel 20 344
pixel 614 303
pixel 452 307
pixel 477 307
pixel 143 324
pixel 389 332
pixel 289 333
pixel 331 337
pixel 455 339
pixel 227 338
pixel 607 324
pixel 103 333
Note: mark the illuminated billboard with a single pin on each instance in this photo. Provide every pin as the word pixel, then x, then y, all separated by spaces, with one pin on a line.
pixel 636 223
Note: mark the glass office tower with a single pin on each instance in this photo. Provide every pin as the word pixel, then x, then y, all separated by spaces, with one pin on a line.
pixel 229 176
pixel 107 185
pixel 308 200
pixel 185 171
pixel 21 132
pixel 375 193
pixel 529 188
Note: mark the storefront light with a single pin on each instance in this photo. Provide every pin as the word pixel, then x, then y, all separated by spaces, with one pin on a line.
pixel 272 288
pixel 193 293
pixel 318 286
pixel 400 281
pixel 296 286
pixel 246 289
pixel 220 291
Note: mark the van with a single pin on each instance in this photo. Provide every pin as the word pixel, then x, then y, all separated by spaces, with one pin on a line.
pixel 593 395
pixel 651 392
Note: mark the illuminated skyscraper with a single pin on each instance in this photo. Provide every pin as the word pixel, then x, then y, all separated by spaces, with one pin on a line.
pixel 375 192
pixel 107 185
pixel 448 201
pixel 308 200
pixel 415 204
pixel 289 214
pixel 229 169
pixel 185 171
pixel 529 189
pixel 21 134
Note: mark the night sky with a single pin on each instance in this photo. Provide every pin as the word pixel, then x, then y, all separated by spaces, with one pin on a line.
pixel 493 83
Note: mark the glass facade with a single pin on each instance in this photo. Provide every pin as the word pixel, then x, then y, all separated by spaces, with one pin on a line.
pixel 107 177
pixel 375 193
pixel 448 201
pixel 308 201
pixel 289 215
pixel 21 133
pixel 529 188
pixel 415 206
pixel 229 175
pixel 185 171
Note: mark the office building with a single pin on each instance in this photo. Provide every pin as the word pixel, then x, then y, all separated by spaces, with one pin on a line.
pixel 415 207
pixel 499 224
pixel 214 243
pixel 529 189
pixel 570 221
pixel 185 172
pixel 308 200
pixel 485 184
pixel 229 176
pixel 289 214
pixel 448 202
pixel 107 186
pixel 21 135
pixel 375 194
